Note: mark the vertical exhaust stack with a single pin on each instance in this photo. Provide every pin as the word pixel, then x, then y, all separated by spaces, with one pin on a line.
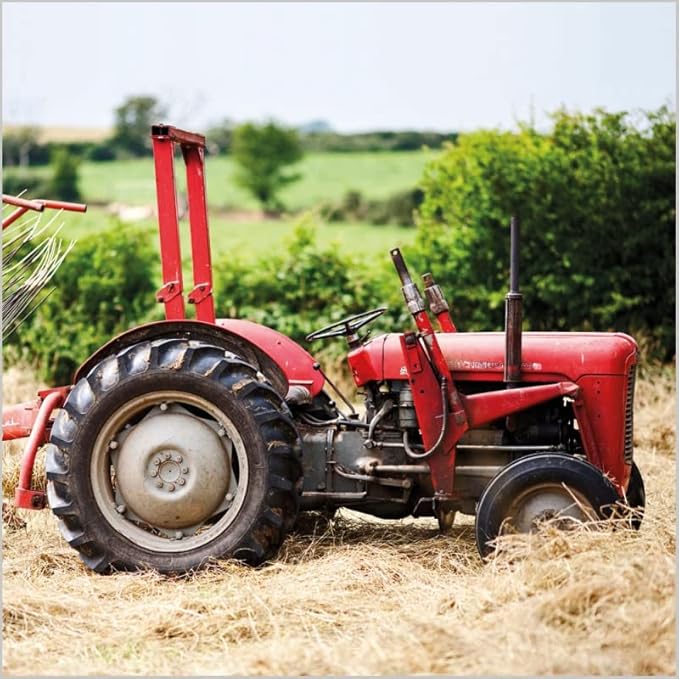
pixel 513 312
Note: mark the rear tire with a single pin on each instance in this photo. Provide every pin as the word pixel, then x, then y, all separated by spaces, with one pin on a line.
pixel 228 455
pixel 541 487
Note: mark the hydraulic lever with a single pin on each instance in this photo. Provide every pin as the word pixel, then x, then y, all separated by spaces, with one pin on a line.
pixel 416 306
pixel 438 304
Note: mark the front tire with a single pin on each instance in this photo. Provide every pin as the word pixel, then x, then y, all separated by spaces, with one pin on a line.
pixel 541 487
pixel 171 454
pixel 636 497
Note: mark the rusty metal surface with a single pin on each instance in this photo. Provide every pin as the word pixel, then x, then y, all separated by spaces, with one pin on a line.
pixel 513 312
pixel 438 304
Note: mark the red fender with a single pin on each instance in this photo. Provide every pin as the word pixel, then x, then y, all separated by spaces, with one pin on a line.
pixel 284 361
pixel 292 359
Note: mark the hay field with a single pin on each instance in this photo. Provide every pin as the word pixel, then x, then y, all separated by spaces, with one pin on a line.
pixel 359 596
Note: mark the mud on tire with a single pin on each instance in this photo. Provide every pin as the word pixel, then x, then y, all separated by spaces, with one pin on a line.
pixel 212 393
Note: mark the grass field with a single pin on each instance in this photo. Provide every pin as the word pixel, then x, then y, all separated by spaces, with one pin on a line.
pixel 361 596
pixel 247 240
pixel 324 176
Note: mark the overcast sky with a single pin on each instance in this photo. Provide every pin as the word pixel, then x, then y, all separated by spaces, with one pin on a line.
pixel 358 66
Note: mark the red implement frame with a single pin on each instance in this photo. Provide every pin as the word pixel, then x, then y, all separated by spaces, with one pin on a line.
pixel 33 420
pixel 23 206
pixel 171 293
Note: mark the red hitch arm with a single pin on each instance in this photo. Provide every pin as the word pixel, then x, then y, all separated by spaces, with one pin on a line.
pixel 31 419
pixel 23 206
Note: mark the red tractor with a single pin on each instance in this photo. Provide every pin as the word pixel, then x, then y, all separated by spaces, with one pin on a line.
pixel 187 440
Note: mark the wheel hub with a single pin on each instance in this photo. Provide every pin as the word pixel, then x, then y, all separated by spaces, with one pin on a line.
pixel 173 469
pixel 550 502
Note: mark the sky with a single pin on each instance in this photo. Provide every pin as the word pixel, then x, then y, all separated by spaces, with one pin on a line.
pixel 436 66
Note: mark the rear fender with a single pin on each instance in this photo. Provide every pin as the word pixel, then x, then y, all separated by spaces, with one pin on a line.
pixel 280 359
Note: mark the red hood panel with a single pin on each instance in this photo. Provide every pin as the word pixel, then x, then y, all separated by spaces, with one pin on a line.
pixel 551 355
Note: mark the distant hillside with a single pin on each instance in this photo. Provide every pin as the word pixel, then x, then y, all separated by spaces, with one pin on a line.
pixel 64 134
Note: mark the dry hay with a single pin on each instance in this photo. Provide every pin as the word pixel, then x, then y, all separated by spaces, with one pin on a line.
pixel 357 596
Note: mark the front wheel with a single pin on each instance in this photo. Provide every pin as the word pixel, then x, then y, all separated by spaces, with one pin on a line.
pixel 636 497
pixel 541 487
pixel 171 454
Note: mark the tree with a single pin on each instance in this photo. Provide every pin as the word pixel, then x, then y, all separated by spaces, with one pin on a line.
pixel 219 137
pixel 19 144
pixel 596 198
pixel 133 120
pixel 64 182
pixel 263 152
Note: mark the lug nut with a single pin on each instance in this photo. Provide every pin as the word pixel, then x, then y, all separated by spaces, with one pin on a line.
pixel 159 483
pixel 185 470
pixel 222 431
pixel 113 445
pixel 171 487
pixel 156 462
pixel 178 459
pixel 181 482
pixel 121 509
pixel 168 456
pixel 163 406
pixel 154 472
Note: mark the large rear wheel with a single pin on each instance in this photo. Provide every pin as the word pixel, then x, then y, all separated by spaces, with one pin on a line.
pixel 171 454
pixel 538 488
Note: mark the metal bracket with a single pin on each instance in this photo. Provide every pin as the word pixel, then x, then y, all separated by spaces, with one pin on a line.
pixel 25 498
pixel 169 291
pixel 199 293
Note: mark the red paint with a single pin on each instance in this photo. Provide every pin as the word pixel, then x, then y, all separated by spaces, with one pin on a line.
pixel 24 205
pixel 445 322
pixel 295 362
pixel 25 497
pixel 17 420
pixel 479 356
pixel 63 205
pixel 170 294
pixel 597 363
pixel 201 295
pixel 429 412
pixel 486 408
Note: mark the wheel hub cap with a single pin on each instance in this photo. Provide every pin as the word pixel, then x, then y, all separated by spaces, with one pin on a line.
pixel 173 469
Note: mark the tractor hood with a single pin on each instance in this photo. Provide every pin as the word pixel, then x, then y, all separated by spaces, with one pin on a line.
pixel 479 356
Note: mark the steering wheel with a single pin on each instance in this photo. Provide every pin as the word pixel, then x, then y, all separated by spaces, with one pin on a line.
pixel 347 326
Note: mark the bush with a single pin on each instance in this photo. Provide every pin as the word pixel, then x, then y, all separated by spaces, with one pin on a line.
pixel 13 183
pixel 104 287
pixel 596 198
pixel 64 182
pixel 388 140
pixel 101 152
pixel 398 209
pixel 300 289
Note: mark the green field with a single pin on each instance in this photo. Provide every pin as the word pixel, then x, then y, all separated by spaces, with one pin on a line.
pixel 248 240
pixel 324 176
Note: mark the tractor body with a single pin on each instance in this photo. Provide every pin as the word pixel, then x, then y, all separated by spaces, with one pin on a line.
pixel 199 438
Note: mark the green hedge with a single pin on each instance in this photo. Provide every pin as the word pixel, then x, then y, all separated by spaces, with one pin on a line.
pixel 596 198
pixel 104 287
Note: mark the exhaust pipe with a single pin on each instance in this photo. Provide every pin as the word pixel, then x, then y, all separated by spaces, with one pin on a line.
pixel 513 312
